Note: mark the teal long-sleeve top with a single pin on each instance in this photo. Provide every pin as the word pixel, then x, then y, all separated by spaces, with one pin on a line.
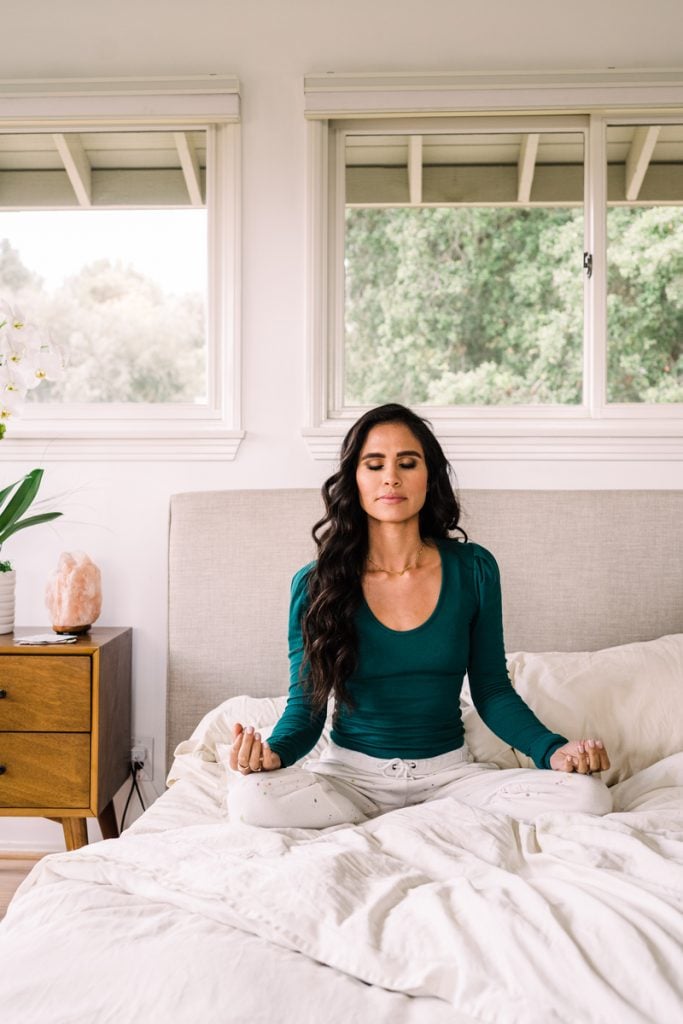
pixel 406 685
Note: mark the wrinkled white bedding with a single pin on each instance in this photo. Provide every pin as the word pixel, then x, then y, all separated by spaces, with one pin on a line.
pixel 190 917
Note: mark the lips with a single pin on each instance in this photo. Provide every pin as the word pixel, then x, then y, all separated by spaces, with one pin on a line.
pixel 391 499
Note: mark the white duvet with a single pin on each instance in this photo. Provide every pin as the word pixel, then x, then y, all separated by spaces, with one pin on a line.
pixel 574 918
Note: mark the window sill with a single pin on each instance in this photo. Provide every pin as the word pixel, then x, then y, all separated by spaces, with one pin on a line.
pixel 558 440
pixel 93 443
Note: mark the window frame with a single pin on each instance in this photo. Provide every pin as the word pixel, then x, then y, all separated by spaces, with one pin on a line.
pixel 166 431
pixel 337 104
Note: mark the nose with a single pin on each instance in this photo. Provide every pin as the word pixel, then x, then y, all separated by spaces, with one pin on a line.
pixel 391 475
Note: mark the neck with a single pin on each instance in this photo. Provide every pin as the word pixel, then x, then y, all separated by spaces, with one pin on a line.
pixel 393 547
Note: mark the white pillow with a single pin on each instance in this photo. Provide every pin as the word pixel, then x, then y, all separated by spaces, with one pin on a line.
pixel 216 725
pixel 630 696
pixel 212 737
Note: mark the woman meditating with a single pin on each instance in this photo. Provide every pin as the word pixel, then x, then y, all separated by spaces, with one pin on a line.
pixel 387 621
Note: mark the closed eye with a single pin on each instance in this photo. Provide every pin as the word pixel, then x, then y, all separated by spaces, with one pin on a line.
pixel 403 465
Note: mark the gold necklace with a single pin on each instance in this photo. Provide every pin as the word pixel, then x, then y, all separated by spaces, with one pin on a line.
pixel 397 572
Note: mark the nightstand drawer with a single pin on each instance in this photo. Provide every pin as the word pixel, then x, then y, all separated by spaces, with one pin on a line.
pixel 45 769
pixel 45 693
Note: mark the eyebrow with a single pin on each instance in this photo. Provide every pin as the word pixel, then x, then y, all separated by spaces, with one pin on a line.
pixel 399 455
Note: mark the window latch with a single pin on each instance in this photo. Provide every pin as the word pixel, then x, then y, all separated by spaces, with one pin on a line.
pixel 588 263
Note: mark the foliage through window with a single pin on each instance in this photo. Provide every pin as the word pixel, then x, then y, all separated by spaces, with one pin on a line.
pixel 463 267
pixel 645 263
pixel 103 238
pixel 463 306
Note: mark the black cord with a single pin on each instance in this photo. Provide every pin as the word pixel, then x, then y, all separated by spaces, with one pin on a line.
pixel 134 768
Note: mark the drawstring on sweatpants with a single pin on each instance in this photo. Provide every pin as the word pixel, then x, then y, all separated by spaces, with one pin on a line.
pixel 400 769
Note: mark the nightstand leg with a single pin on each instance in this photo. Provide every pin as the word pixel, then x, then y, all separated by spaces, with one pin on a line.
pixel 75 832
pixel 107 820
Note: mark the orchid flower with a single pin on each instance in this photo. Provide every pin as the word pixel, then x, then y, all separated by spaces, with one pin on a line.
pixel 27 357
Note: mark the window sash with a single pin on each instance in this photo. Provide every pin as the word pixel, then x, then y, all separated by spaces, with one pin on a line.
pixel 337 134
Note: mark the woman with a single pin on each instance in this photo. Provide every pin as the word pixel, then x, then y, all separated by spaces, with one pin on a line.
pixel 387 621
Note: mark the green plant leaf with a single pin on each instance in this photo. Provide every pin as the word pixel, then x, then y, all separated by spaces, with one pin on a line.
pixel 8 490
pixel 24 495
pixel 31 521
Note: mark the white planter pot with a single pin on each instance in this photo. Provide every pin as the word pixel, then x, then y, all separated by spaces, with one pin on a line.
pixel 7 587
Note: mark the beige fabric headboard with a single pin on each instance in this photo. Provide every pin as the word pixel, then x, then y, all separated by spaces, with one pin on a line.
pixel 580 570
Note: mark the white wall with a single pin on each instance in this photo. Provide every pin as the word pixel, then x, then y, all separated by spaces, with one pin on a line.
pixel 118 511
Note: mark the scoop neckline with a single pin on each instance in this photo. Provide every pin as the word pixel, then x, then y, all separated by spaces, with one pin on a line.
pixel 432 614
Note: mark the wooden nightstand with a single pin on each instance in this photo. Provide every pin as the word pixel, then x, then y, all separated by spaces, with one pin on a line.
pixel 65 729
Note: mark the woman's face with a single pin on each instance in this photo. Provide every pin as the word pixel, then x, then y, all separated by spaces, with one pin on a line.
pixel 391 474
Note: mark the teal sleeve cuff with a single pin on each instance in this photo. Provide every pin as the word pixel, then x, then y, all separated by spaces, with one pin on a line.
pixel 558 741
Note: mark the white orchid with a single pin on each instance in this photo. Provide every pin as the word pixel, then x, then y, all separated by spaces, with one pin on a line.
pixel 27 357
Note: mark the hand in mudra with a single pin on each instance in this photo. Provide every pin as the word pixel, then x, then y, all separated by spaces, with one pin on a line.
pixel 583 756
pixel 250 753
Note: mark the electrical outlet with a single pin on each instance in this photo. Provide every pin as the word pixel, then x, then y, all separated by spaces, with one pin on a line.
pixel 142 749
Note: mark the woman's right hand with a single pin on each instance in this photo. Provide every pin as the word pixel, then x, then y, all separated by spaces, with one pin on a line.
pixel 250 753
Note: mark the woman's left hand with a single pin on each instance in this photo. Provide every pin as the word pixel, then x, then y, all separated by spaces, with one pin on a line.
pixel 583 756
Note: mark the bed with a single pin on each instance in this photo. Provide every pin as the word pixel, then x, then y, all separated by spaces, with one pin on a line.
pixel 432 914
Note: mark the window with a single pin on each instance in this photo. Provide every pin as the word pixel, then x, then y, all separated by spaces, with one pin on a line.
pixel 118 233
pixel 514 275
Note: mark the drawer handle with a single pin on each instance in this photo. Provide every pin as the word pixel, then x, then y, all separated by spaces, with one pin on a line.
pixel 3 769
pixel 3 693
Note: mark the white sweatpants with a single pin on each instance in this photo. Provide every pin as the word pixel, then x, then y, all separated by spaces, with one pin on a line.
pixel 346 786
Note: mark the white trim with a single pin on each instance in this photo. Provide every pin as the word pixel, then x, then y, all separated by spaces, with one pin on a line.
pixel 160 99
pixel 467 124
pixel 233 273
pixel 135 415
pixel 595 294
pixel 336 247
pixel 335 95
pixel 513 440
pixel 223 189
pixel 122 85
pixel 317 260
pixel 416 81
pixel 96 446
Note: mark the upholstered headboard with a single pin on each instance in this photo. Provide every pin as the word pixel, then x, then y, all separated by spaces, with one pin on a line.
pixel 580 570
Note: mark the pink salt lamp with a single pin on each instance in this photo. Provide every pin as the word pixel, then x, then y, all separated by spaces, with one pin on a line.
pixel 74 593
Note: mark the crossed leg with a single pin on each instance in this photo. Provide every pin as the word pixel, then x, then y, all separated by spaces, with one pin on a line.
pixel 298 798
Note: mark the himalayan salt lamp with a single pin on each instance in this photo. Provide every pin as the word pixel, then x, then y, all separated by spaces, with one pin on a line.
pixel 74 594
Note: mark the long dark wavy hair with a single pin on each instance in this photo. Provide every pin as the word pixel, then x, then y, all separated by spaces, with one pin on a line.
pixel 341 536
